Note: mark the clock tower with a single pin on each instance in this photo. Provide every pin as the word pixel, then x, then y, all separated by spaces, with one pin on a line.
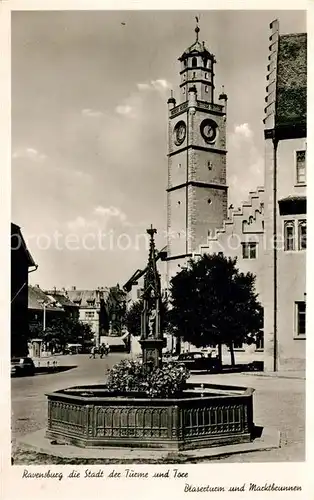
pixel 197 189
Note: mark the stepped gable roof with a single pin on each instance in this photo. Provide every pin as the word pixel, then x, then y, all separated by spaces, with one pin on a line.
pixel 291 80
pixel 37 298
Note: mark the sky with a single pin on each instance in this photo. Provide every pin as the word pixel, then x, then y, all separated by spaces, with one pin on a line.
pixel 89 128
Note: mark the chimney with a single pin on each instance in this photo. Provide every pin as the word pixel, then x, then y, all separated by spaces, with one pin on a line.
pixel 73 288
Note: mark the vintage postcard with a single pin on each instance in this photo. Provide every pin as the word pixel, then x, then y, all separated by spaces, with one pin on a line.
pixel 156 296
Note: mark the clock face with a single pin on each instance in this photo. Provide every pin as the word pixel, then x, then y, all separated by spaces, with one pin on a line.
pixel 179 133
pixel 209 130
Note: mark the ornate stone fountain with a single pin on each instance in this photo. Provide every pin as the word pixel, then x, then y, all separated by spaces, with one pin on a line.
pixel 201 416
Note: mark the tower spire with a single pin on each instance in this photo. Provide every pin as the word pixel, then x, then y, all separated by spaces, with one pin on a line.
pixel 197 29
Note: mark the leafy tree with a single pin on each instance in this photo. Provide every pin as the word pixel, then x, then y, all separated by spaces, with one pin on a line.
pixel 214 303
pixel 133 317
pixel 62 331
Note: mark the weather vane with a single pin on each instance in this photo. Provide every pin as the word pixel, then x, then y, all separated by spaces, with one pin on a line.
pixel 197 29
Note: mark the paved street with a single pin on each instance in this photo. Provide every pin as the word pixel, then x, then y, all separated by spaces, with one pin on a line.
pixel 29 403
pixel 278 402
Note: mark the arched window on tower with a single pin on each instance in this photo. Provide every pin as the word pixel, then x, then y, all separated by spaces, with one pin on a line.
pixel 194 62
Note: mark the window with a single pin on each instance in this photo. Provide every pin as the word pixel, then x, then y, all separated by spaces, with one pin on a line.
pixel 206 88
pixel 260 340
pixel 300 318
pixel 194 62
pixel 295 235
pixel 249 250
pixel 89 314
pixel 289 235
pixel 301 167
pixel 183 90
pixel 302 235
pixel 206 76
pixel 194 74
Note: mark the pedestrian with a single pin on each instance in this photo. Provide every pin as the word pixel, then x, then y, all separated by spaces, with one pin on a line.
pixel 107 348
pixel 93 352
pixel 101 351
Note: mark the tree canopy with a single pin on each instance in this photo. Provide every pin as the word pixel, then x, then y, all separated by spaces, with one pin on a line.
pixel 214 303
pixel 62 331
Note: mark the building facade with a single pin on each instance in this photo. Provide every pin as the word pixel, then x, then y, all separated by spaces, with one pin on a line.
pixel 275 212
pixel 92 309
pixel 284 279
pixel 42 308
pixel 22 264
pixel 103 308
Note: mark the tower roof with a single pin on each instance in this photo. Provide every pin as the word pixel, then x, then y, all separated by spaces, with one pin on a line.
pixel 197 48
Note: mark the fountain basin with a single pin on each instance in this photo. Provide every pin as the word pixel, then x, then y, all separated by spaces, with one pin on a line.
pixel 201 416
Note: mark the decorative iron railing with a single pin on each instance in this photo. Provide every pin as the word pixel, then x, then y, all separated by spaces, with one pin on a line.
pixel 195 419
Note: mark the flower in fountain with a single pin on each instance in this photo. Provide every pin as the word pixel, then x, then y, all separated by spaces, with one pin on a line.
pixel 131 376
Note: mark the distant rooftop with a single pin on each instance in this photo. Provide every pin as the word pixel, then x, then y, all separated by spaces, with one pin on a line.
pixel 37 299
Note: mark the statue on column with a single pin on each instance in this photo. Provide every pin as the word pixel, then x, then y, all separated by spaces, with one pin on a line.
pixel 151 335
pixel 152 323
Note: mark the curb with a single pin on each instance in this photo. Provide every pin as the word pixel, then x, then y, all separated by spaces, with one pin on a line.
pixel 38 443
pixel 273 375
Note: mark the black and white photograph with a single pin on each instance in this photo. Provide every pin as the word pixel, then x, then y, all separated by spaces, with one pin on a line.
pixel 158 243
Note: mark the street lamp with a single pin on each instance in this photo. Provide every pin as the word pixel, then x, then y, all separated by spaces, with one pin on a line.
pixel 44 304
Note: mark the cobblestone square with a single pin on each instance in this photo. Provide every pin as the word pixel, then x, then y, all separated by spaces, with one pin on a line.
pixel 278 403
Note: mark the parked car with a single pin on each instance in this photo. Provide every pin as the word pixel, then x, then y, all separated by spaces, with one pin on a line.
pixel 256 366
pixel 199 361
pixel 22 366
pixel 169 357
pixel 74 348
